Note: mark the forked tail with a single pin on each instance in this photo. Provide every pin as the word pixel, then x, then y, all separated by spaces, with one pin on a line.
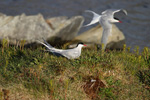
pixel 47 45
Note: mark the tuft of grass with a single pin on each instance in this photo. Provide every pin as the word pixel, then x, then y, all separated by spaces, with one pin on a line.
pixel 34 74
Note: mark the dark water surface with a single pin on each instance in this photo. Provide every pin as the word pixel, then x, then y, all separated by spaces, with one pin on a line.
pixel 136 26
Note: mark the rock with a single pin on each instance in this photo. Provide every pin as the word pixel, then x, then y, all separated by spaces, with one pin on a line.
pixel 33 28
pixel 22 27
pixel 93 36
pixel 64 29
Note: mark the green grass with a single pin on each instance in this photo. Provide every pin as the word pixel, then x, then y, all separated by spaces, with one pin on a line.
pixel 35 74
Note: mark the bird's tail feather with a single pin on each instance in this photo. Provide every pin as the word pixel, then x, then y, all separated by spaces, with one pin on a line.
pixel 49 48
pixel 47 43
pixel 96 18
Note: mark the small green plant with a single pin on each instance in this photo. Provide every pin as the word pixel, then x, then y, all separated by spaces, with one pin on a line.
pixel 22 43
pixel 144 77
pixel 136 50
pixel 4 45
pixel 124 47
pixel 51 87
pixel 102 46
pixel 129 48
pixel 1 95
pixel 107 94
pixel 66 88
pixel 146 55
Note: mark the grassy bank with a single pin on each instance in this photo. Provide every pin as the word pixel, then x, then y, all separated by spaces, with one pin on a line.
pixel 38 75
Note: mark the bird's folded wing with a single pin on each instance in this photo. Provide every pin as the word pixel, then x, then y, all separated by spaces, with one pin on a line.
pixel 70 54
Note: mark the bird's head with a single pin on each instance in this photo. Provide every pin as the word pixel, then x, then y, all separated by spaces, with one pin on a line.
pixel 116 19
pixel 80 44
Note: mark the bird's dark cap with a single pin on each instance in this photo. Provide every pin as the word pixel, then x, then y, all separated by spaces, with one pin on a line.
pixel 81 43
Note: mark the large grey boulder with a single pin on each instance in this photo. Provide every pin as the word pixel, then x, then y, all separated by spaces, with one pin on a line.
pixel 22 27
pixel 65 29
pixel 33 28
pixel 93 36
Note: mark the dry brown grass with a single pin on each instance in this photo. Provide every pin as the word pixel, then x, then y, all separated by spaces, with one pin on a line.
pixel 36 75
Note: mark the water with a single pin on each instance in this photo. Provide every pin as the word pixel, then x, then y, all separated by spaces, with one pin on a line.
pixel 136 26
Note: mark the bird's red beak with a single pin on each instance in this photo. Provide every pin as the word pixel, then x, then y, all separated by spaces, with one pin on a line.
pixel 120 21
pixel 85 45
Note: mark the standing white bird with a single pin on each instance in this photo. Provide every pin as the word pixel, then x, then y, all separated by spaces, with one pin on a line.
pixel 69 53
pixel 106 19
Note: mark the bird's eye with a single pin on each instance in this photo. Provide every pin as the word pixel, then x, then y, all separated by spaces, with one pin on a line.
pixel 116 18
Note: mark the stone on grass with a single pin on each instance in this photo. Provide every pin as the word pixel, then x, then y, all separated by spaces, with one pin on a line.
pixel 35 27
pixel 93 36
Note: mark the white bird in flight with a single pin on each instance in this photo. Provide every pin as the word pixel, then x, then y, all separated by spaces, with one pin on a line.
pixel 69 53
pixel 106 19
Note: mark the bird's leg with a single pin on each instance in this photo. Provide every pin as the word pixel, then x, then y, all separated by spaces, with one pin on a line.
pixel 99 47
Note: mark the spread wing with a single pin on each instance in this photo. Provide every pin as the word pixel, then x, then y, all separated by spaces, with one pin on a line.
pixel 96 18
pixel 112 11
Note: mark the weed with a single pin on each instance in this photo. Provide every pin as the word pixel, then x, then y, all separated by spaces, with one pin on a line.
pixel 119 74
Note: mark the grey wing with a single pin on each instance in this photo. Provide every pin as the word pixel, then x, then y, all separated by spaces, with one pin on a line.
pixel 96 18
pixel 124 11
pixel 119 10
pixel 112 11
pixel 70 54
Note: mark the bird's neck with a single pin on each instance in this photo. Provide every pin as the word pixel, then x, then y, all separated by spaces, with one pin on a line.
pixel 79 48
